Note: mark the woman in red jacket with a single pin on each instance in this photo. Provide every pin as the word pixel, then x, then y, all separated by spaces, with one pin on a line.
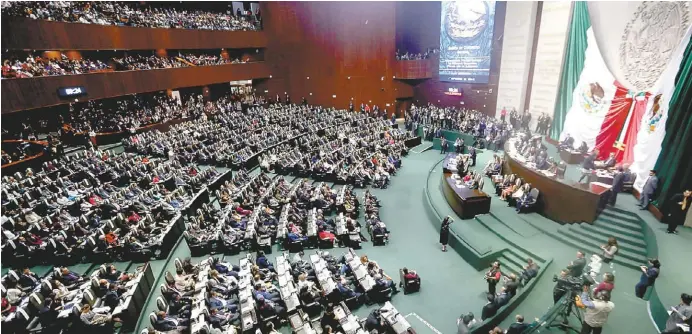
pixel 608 284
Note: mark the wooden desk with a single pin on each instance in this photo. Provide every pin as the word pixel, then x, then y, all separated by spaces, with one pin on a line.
pixel 571 157
pixel 467 203
pixel 561 201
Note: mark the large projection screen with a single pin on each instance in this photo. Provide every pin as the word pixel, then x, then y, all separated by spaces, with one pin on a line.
pixel 466 39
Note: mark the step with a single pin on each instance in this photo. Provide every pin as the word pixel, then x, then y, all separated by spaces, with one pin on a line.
pixel 631 218
pixel 515 260
pixel 508 267
pixel 502 231
pixel 590 250
pixel 594 247
pixel 617 227
pixel 606 232
pixel 619 222
pixel 632 214
pixel 602 239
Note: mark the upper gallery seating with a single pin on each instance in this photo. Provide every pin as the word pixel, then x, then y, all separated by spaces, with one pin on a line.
pixel 129 14
pixel 34 64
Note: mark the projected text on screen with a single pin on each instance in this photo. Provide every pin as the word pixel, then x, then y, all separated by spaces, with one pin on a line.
pixel 466 39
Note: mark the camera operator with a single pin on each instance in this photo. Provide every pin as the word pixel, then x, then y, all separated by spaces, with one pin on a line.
pixel 596 310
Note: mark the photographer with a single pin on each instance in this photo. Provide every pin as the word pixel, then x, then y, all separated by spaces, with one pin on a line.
pixel 596 310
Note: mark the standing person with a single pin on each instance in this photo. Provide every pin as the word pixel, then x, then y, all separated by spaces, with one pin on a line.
pixel 472 152
pixel 503 114
pixel 648 190
pixel 677 211
pixel 618 183
pixel 597 311
pixel 609 250
pixel 648 278
pixel 680 315
pixel 493 276
pixel 443 145
pixel 444 232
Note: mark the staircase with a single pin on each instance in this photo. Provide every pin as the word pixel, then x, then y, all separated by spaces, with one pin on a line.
pixel 625 226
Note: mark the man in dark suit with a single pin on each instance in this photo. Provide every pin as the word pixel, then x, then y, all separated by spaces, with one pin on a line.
pixel 678 206
pixel 618 182
pixel 112 297
pixel 576 268
pixel 490 309
pixel 472 152
pixel 648 190
pixel 502 298
pixel 567 142
pixel 517 327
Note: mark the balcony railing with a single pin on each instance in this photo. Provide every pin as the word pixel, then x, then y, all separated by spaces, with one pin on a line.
pixel 31 93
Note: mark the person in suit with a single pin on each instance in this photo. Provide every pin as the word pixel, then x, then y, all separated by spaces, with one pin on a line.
pixel 567 143
pixel 443 145
pixel 517 327
pixel 465 322
pixel 502 298
pixel 648 278
pixel 511 284
pixel 112 297
pixel 576 267
pixel 444 232
pixel 490 308
pixel 618 183
pixel 678 206
pixel 472 153
pixel 648 190
pixel 28 279
pixel 607 163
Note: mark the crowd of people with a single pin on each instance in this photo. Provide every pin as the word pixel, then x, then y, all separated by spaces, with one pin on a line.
pixel 96 301
pixel 95 206
pixel 127 113
pixel 487 131
pixel 429 52
pixel 29 66
pixel 130 14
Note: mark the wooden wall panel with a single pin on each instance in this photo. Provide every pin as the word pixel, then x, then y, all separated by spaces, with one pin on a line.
pixel 413 69
pixel 345 48
pixel 21 94
pixel 24 33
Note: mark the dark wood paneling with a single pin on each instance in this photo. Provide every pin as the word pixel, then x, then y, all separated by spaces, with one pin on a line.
pixel 23 33
pixel 330 42
pixel 413 69
pixel 21 94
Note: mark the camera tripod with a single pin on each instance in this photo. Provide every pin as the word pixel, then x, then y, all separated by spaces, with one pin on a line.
pixel 563 310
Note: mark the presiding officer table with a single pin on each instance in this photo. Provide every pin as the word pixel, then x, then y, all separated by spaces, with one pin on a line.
pixel 466 202
pixel 561 201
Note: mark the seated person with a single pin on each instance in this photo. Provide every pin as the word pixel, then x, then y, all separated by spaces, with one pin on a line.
pixel 490 308
pixel 269 308
pixel 567 143
pixel 383 283
pixel 220 318
pixel 215 301
pixel 166 323
pixel 530 271
pixel 607 163
pixel 526 198
pixel 583 148
pixel 409 274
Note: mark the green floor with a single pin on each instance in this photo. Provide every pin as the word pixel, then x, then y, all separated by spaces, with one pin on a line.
pixel 451 286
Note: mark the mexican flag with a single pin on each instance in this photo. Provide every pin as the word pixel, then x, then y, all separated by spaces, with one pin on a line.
pixel 596 93
pixel 652 127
